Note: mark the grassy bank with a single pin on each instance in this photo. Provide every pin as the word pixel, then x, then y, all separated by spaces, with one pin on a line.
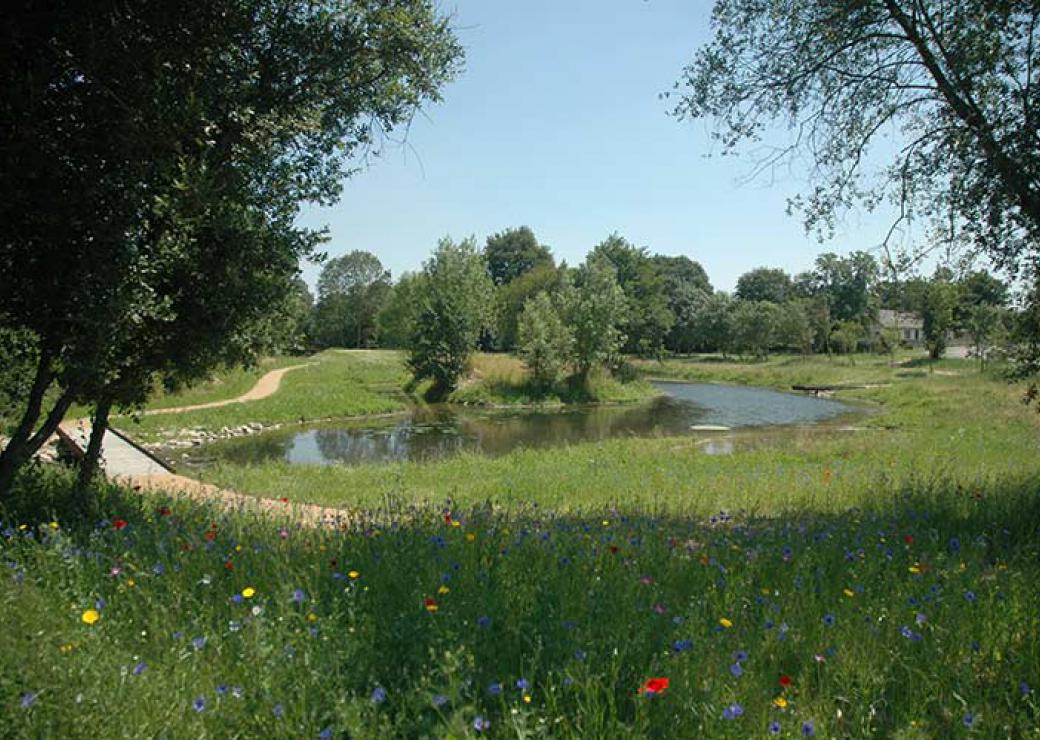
pixel 913 616
pixel 340 383
pixel 965 428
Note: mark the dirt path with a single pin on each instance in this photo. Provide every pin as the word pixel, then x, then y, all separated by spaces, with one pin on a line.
pixel 181 486
pixel 266 386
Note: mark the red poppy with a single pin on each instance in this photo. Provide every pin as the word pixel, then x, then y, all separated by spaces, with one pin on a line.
pixel 613 549
pixel 785 680
pixel 908 539
pixel 164 511
pixel 229 565
pixel 119 523
pixel 211 535
pixel 654 686
pixel 284 499
pixel 447 518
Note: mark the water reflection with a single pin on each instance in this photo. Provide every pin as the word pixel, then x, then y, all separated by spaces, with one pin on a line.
pixel 438 431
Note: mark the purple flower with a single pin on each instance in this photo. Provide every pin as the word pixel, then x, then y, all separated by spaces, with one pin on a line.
pixel 921 618
pixel 828 619
pixel 140 668
pixel 522 684
pixel 484 622
pixel 439 700
pixel 495 689
pixel 158 569
pixel 808 728
pixel 1024 688
pixel 378 695
pixel 298 596
pixel 969 720
pixel 740 656
pixel 325 734
pixel 480 723
pixel 970 596
pixel 222 689
pixel 199 705
pixel 774 728
pixel 28 699
pixel 732 711
pixel 237 598
pixel 580 654
pixel 278 711
pixel 198 643
pixel 736 670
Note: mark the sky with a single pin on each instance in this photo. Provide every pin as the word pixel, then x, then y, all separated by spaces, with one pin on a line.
pixel 556 122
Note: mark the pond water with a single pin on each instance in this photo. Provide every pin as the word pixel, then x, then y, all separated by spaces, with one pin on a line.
pixel 433 432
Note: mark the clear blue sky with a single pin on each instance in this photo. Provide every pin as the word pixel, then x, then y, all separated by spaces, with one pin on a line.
pixel 556 123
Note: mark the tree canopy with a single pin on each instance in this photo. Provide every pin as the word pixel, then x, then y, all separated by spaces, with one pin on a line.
pixel 764 284
pixel 955 78
pixel 513 252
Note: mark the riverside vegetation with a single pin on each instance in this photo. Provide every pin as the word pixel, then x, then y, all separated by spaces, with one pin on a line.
pixel 877 582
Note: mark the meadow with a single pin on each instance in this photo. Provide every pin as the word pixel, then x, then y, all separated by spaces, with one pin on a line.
pixel 879 582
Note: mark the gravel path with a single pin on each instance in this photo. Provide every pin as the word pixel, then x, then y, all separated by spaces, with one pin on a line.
pixel 266 386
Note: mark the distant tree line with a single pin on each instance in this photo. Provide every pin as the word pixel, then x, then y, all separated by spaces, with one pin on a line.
pixel 512 296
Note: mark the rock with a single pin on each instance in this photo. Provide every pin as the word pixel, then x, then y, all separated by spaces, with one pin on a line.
pixel 708 428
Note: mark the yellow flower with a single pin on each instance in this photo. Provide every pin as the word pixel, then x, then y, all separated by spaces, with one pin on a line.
pixel 849 592
pixel 470 537
pixel 606 522
pixel 130 582
pixel 54 525
pixel 527 698
pixel 780 702
pixel 455 523
pixel 725 623
pixel 248 592
pixel 915 569
pixel 90 616
pixel 238 548
pixel 354 574
pixel 67 647
pixel 312 617
pixel 443 590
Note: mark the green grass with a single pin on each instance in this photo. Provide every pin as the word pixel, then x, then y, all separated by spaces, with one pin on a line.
pixel 340 384
pixel 907 617
pixel 968 428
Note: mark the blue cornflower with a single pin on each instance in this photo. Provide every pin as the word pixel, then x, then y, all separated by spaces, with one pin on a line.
pixel 237 598
pixel 222 689
pixel 158 569
pixel 484 622
pixel 1024 688
pixel 954 544
pixel 199 704
pixel 774 728
pixel 828 619
pixel 278 711
pixel 480 723
pixel 100 604
pixel 969 595
pixel 808 728
pixel 178 635
pixel 736 670
pixel 969 720
pixel 198 643
pixel 28 699
pixel 768 624
pixel 439 700
pixel 523 684
pixel 495 689
pixel 732 711
pixel 140 668
pixel 580 654
pixel 298 596
pixel 378 695
pixel 921 618
pixel 325 734
pixel 740 656
pixel 680 646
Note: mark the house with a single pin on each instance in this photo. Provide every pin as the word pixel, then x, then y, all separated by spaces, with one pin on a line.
pixel 909 325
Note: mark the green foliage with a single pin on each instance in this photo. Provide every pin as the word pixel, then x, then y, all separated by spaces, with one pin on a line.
pixel 594 308
pixel 514 252
pixel 846 283
pixel 352 290
pixel 545 342
pixel 511 297
pixel 939 305
pixel 955 79
pixel 794 329
pixel 396 320
pixel 711 326
pixel 649 317
pixel 453 307
pixel 846 336
pixel 754 328
pixel 764 284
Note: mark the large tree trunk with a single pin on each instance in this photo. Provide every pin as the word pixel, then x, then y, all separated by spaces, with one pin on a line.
pixel 14 456
pixel 89 464
pixel 16 452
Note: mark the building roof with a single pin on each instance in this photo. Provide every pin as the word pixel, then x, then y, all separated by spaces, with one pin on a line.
pixel 899 320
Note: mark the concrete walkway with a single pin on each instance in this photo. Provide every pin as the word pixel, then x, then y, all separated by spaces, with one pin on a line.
pixel 119 456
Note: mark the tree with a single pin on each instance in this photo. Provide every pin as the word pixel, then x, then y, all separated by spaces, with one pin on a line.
pixel 396 320
pixel 291 323
pixel 595 307
pixel 754 326
pixel 351 292
pixel 984 324
pixel 545 341
pixel 793 327
pixel 511 298
pixel 685 285
pixel 846 336
pixel 937 316
pixel 847 284
pixel 454 305
pixel 954 77
pixel 711 326
pixel 764 284
pixel 649 318
pixel 153 157
pixel 513 252
pixel 976 289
